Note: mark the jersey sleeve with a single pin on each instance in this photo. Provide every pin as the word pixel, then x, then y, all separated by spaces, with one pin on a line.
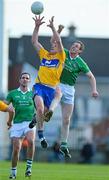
pixel 84 67
pixel 9 98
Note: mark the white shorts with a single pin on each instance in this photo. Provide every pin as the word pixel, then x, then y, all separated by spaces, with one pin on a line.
pixel 68 93
pixel 20 129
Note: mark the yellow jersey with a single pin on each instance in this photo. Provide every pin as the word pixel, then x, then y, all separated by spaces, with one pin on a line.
pixel 51 67
pixel 3 106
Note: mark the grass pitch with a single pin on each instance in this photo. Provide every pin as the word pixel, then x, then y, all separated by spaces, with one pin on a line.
pixel 50 171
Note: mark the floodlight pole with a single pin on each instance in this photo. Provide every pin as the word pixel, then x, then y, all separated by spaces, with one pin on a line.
pixel 3 51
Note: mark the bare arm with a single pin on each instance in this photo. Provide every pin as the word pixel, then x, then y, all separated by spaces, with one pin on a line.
pixel 38 22
pixel 56 36
pixel 92 80
pixel 60 28
pixel 10 119
pixel 10 109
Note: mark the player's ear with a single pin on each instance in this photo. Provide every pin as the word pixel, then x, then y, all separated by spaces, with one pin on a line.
pixel 80 51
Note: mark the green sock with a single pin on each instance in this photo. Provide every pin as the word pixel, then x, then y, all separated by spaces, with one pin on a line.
pixel 63 145
pixel 29 164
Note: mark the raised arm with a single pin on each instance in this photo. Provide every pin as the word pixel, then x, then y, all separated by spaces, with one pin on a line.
pixel 60 28
pixel 56 36
pixel 92 80
pixel 38 22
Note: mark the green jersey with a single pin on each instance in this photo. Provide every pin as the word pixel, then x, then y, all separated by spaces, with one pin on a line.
pixel 72 68
pixel 23 104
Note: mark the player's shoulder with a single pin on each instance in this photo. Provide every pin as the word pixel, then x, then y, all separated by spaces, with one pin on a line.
pixel 13 91
pixel 66 50
pixel 30 91
pixel 42 50
pixel 80 59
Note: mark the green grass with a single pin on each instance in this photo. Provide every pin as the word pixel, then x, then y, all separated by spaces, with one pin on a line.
pixel 47 171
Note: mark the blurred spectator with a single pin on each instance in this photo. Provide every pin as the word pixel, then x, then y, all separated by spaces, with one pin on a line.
pixel 87 152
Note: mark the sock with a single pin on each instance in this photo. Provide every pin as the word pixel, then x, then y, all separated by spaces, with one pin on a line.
pixel 14 171
pixel 63 145
pixel 40 134
pixel 29 164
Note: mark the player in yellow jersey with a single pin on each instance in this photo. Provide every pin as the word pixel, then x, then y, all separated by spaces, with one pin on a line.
pixel 7 108
pixel 51 65
pixel 3 106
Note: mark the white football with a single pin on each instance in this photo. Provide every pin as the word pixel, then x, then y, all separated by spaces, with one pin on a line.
pixel 37 7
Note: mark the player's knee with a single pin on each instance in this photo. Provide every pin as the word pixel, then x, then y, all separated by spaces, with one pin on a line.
pixel 66 120
pixel 30 142
pixel 58 93
pixel 16 149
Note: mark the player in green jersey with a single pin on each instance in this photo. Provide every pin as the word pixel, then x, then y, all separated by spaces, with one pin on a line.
pixel 73 66
pixel 22 101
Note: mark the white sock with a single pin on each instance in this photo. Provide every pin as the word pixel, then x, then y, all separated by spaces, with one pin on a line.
pixel 14 171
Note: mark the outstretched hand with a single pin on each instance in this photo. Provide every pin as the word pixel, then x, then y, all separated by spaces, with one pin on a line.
pixel 51 21
pixel 38 20
pixel 60 28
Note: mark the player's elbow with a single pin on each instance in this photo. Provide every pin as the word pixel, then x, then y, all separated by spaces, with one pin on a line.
pixel 11 111
pixel 90 75
pixel 33 41
pixel 35 44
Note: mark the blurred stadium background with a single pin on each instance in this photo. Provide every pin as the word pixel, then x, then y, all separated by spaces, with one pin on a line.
pixel 90 121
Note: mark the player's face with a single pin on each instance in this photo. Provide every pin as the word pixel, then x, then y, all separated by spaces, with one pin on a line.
pixel 75 48
pixel 24 80
pixel 53 47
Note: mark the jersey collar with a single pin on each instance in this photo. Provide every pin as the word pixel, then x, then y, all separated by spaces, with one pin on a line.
pixel 74 57
pixel 22 91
